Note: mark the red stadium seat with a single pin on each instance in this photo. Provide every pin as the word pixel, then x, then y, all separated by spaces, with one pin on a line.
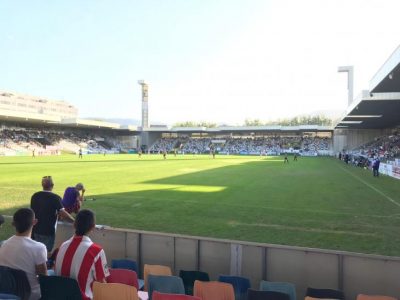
pixel 124 276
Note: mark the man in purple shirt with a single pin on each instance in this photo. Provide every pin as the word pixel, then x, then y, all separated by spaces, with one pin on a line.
pixel 73 197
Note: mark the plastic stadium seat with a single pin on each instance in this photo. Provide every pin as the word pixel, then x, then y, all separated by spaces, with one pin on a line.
pixel 324 293
pixel 266 295
pixel 240 285
pixel 129 265
pixel 114 291
pixel 213 290
pixel 189 277
pixel 14 283
pixel 165 284
pixel 124 264
pixel 374 297
pixel 163 296
pixel 124 276
pixel 155 270
pixel 282 287
pixel 59 288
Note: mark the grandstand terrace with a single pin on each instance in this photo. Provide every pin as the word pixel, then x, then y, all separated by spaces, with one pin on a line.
pixel 245 140
pixel 48 127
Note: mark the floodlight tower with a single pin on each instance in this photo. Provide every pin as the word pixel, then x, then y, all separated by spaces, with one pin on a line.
pixel 145 103
pixel 350 84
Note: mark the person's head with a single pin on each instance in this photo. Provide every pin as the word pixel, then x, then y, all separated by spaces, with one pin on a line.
pixel 84 222
pixel 23 220
pixel 79 187
pixel 47 183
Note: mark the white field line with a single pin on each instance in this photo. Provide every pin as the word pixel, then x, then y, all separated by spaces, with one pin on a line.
pixel 372 187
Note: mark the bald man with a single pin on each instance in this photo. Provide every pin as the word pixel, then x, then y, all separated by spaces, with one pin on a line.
pixel 47 207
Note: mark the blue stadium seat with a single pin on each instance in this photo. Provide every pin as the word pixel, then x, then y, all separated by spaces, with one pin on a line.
pixel 282 287
pixel 240 285
pixel 165 284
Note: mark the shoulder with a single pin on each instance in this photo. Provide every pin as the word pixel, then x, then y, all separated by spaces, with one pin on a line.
pixel 37 195
pixel 9 242
pixel 37 246
pixel 66 243
pixel 96 250
pixel 54 196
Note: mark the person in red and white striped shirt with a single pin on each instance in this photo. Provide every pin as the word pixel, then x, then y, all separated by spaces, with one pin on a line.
pixel 80 258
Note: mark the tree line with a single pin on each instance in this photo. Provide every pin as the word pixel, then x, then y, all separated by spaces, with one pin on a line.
pixel 295 121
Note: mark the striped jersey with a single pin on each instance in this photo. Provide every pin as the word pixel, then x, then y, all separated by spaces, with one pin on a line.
pixel 83 260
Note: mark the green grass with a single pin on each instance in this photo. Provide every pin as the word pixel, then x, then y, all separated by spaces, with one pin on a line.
pixel 316 202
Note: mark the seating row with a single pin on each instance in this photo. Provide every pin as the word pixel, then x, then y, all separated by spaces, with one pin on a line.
pixel 159 279
pixel 160 284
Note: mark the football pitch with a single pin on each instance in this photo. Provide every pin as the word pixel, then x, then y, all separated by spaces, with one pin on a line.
pixel 315 202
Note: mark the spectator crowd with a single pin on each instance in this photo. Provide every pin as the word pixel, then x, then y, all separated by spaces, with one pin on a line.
pixel 26 141
pixel 243 145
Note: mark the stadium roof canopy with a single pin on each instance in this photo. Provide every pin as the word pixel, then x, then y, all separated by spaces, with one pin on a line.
pixel 239 129
pixel 19 116
pixel 387 79
pixel 90 123
pixel 36 118
pixel 380 110
pixel 379 107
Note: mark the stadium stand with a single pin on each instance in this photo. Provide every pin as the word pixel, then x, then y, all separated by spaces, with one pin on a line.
pixel 266 145
pixel 25 141
pixel 386 147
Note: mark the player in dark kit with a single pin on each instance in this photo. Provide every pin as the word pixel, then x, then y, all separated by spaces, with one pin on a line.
pixel 295 157
pixel 285 160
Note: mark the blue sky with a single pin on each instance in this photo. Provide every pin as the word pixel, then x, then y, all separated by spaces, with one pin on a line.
pixel 213 60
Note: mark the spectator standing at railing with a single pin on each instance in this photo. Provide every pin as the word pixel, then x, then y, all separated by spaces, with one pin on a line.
pixel 73 198
pixel 47 207
pixel 375 167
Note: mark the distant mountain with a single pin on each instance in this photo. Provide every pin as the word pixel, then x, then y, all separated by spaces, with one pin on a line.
pixel 119 121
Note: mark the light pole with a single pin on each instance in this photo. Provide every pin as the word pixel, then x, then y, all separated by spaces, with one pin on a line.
pixel 350 84
pixel 145 104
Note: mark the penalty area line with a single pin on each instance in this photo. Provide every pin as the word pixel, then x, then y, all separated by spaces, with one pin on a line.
pixel 372 187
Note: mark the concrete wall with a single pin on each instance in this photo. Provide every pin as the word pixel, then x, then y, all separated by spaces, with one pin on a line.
pixel 149 138
pixel 349 139
pixel 129 141
pixel 305 267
